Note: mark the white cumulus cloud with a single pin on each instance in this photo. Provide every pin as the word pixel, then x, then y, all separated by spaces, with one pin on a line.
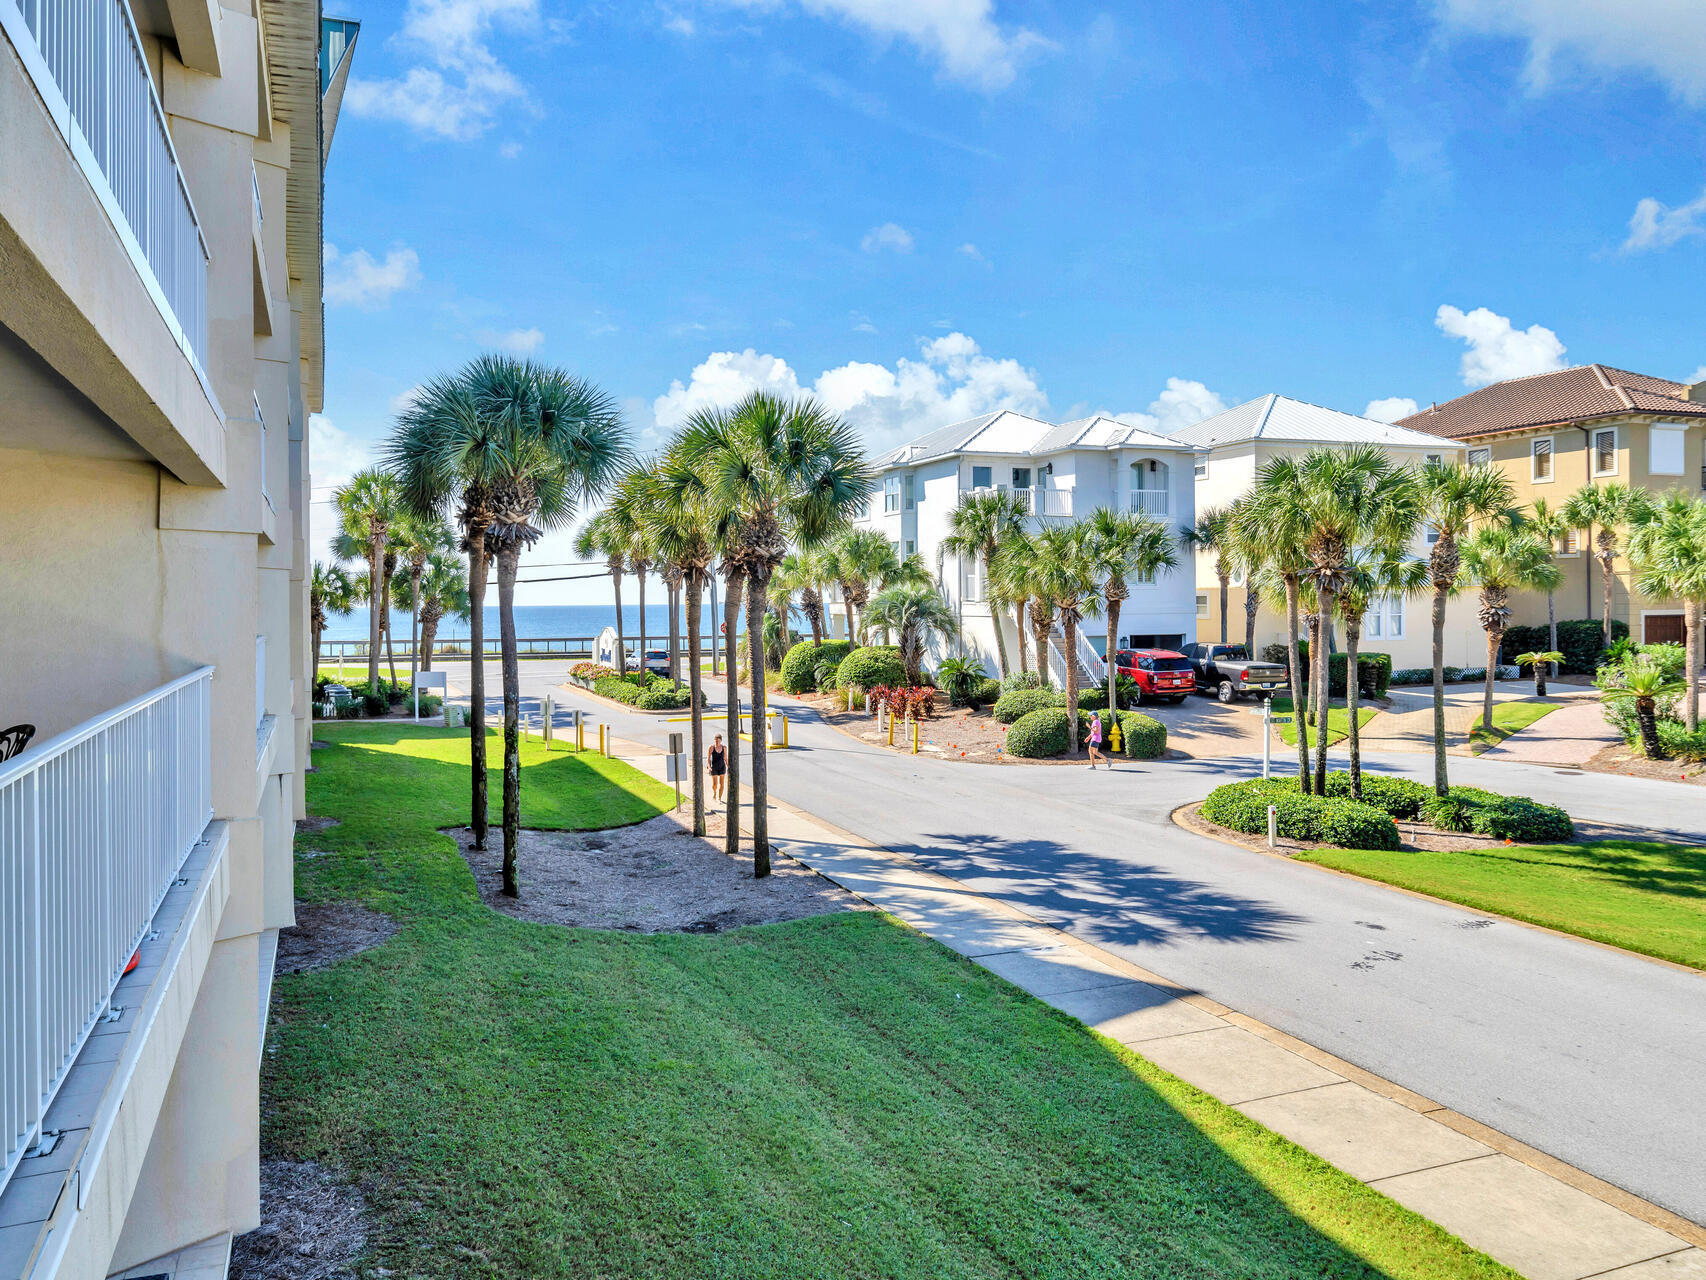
pixel 1664 39
pixel 1699 375
pixel 1181 403
pixel 891 236
pixel 951 379
pixel 519 342
pixel 457 84
pixel 1498 350
pixel 971 251
pixel 359 280
pixel 961 35
pixel 1656 225
pixel 1390 409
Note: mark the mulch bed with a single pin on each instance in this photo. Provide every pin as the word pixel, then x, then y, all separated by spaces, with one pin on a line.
pixel 653 877
pixel 327 932
pixel 1618 758
pixel 313 1227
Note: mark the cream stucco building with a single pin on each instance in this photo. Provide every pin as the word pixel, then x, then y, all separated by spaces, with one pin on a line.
pixel 161 348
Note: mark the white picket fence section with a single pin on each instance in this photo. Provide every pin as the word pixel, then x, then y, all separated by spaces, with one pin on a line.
pixel 94 827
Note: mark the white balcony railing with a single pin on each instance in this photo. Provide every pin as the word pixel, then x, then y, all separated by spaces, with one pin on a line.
pixel 1150 501
pixel 1037 501
pixel 94 826
pixel 88 65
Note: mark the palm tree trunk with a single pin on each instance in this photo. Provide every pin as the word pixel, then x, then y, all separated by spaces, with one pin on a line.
pixel 847 608
pixel 1225 597
pixel 375 557
pixel 1493 639
pixel 1252 603
pixel 1607 581
pixel 1299 718
pixel 1069 643
pixel 414 623
pixel 1552 625
pixel 1113 609
pixel 995 621
pixel 1041 625
pixel 1324 696
pixel 1442 785
pixel 621 640
pixel 731 625
pixel 429 633
pixel 316 668
pixel 1019 631
pixel 1645 717
pixel 509 556
pixel 642 574
pixel 1353 639
pixel 755 610
pixel 675 635
pixel 1691 700
pixel 695 585
pixel 477 682
pixel 385 614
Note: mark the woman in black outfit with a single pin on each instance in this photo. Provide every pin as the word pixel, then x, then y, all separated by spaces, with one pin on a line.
pixel 719 767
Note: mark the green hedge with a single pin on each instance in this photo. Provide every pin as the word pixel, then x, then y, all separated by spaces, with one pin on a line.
pixel 1038 734
pixel 985 691
pixel 1503 817
pixel 1009 707
pixel 1243 806
pixel 666 698
pixel 1398 797
pixel 617 689
pixel 869 667
pixel 1579 640
pixel 1142 737
pixel 801 666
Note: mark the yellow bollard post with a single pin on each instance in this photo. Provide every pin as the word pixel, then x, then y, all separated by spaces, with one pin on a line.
pixel 891 729
pixel 915 737
pixel 784 728
pixel 601 739
pixel 580 735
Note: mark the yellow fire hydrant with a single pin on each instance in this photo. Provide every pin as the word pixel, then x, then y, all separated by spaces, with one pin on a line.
pixel 1114 736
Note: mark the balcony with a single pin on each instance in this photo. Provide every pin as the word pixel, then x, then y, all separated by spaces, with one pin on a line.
pixel 87 63
pixel 1046 503
pixel 96 826
pixel 1151 502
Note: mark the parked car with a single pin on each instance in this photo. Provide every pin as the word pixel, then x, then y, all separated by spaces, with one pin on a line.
pixel 1227 671
pixel 656 662
pixel 1160 673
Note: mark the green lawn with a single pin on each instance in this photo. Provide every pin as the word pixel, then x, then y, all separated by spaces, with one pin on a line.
pixel 1338 721
pixel 1508 718
pixel 347 674
pixel 1643 895
pixel 832 1097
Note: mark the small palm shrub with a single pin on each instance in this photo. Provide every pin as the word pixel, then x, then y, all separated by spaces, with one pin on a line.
pixel 1038 734
pixel 958 677
pixel 1009 707
pixel 1676 741
pixel 868 667
pixel 1503 817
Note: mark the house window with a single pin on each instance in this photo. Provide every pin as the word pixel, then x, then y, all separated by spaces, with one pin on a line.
pixel 1481 457
pixel 1540 460
pixel 1666 449
pixel 895 547
pixel 1605 452
pixel 1021 477
pixel 973 580
pixel 1202 604
pixel 891 493
pixel 911 491
pixel 1202 471
pixel 911 546
pixel 1431 533
pixel 1385 619
pixel 1434 459
pixel 982 477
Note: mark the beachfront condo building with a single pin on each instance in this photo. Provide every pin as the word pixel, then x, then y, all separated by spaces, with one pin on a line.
pixel 1235 446
pixel 1553 433
pixel 161 348
pixel 1058 472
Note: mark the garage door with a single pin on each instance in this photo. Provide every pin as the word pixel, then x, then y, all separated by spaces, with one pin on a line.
pixel 1663 628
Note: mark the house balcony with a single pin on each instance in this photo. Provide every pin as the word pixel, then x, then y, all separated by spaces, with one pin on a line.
pixel 1150 502
pixel 113 276
pixel 112 877
pixel 1038 502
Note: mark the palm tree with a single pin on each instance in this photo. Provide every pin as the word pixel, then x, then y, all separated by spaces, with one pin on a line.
pixel 1016 567
pixel 998 588
pixel 803 569
pixel 367 505
pixel 1644 683
pixel 783 470
pixel 548 441
pixel 442 589
pixel 1211 535
pixel 1500 558
pixel 1123 545
pixel 1605 509
pixel 1454 499
pixel 1247 557
pixel 602 538
pixel 415 538
pixel 975 531
pixel 1066 577
pixel 916 614
pixel 856 559
pixel 1538 662
pixel 329 591
pixel 1373 575
pixel 1667 546
pixel 1548 524
pixel 1271 517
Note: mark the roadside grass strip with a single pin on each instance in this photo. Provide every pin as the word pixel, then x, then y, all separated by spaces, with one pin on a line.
pixel 1338 722
pixel 835 1096
pixel 1645 896
pixel 1508 718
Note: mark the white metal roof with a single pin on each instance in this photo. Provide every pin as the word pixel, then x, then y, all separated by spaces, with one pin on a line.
pixel 1280 418
pixel 1008 433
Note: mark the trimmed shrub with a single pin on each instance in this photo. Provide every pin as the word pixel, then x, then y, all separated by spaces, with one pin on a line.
pixel 801 665
pixel 1503 817
pixel 1374 670
pixel 665 697
pixel 1038 734
pixel 1141 736
pixel 617 689
pixel 1020 680
pixel 1413 675
pixel 1397 797
pixel 871 666
pixel 1579 640
pixel 1277 652
pixel 1243 806
pixel 985 692
pixel 1009 707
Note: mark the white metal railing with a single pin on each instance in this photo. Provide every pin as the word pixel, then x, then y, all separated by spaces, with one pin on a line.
pixel 1037 501
pixel 89 66
pixel 94 827
pixel 1089 661
pixel 1149 501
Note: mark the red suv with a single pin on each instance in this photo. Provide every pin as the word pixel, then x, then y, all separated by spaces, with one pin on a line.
pixel 1160 673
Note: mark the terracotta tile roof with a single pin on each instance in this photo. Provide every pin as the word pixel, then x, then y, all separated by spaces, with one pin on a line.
pixel 1546 399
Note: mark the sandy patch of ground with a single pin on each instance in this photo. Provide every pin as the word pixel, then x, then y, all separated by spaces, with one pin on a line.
pixel 1629 761
pixel 312 1226
pixel 653 877
pixel 327 932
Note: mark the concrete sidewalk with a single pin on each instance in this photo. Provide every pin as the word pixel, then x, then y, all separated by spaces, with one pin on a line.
pixel 1572 734
pixel 1537 1215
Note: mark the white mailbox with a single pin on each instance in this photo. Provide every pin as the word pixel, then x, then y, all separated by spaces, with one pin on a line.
pixel 428 680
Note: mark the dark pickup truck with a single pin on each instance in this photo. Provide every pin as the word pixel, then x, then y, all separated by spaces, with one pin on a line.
pixel 1226 671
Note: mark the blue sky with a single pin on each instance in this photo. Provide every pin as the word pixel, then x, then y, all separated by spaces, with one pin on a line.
pixel 926 209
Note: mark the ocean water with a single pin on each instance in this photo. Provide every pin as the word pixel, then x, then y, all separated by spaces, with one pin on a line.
pixel 532 622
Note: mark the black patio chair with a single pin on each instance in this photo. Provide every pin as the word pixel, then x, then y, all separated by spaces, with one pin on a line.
pixel 15 739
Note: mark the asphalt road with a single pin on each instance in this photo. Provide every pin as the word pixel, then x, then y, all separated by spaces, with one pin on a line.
pixel 1594 1056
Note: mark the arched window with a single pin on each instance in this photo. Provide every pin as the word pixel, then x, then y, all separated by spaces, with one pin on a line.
pixel 1151 481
